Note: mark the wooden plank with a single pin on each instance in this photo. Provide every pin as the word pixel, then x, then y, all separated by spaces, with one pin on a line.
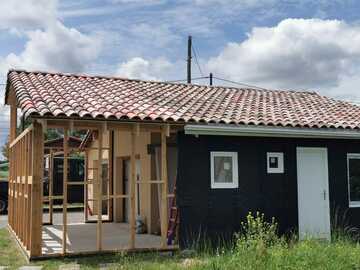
pixel 21 135
pixel 65 188
pixel 132 188
pixel 36 195
pixel 164 191
pixel 99 194
pixel 150 182
pixel 77 183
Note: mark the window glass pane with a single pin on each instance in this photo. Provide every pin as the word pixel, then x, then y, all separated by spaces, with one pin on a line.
pixel 223 170
pixel 354 179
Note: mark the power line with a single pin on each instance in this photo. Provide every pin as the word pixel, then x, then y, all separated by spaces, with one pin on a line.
pixel 239 83
pixel 196 59
pixel 184 80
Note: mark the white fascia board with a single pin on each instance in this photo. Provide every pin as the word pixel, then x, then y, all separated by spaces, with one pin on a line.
pixel 266 131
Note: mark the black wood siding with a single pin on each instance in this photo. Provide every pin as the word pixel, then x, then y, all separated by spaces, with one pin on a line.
pixel 218 212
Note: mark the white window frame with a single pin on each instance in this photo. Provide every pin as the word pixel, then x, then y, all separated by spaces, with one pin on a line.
pixel 280 156
pixel 352 204
pixel 235 180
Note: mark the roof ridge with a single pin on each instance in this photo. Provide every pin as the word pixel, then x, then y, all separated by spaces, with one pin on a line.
pixel 161 82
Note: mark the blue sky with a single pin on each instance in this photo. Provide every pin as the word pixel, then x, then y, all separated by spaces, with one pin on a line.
pixel 311 45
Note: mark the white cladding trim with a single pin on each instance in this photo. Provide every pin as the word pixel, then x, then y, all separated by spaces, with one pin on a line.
pixel 266 131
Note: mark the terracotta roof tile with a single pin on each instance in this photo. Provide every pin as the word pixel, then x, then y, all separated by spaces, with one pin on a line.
pixel 56 94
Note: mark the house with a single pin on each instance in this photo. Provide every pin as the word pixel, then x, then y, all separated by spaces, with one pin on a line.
pixel 292 155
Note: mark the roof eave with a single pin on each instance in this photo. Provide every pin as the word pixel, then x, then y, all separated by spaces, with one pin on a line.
pixel 269 131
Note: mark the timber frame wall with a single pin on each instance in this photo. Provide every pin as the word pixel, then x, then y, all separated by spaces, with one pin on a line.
pixel 25 189
pixel 26 181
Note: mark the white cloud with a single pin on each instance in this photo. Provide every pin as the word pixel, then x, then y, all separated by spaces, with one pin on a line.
pixel 297 53
pixel 57 48
pixel 139 68
pixel 27 14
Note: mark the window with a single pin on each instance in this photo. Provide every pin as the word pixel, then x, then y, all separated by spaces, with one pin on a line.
pixel 275 162
pixel 353 161
pixel 224 170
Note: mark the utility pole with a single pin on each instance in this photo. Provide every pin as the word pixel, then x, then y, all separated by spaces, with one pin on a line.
pixel 189 60
pixel 211 79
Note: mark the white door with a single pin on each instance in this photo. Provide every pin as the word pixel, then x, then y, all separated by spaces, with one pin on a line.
pixel 313 193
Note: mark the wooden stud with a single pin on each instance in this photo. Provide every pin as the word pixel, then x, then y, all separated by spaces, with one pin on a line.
pixel 36 195
pixel 164 190
pixel 51 185
pixel 13 121
pixel 99 195
pixel 110 175
pixel 86 188
pixel 28 208
pixel 132 188
pixel 65 181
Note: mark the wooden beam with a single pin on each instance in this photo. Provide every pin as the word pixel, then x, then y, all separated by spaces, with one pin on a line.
pixel 99 194
pixel 110 125
pixel 24 133
pixel 65 181
pixel 36 191
pixel 132 188
pixel 164 190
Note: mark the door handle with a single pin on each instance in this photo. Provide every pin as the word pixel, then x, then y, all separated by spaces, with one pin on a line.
pixel 324 193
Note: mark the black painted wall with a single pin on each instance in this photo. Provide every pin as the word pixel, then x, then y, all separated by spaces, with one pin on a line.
pixel 218 212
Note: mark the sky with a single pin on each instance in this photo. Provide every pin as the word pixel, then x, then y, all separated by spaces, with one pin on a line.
pixel 278 44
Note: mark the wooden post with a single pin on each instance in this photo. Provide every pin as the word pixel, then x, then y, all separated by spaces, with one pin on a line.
pixel 26 207
pixel 99 188
pixel 132 187
pixel 36 195
pixel 164 191
pixel 65 180
pixel 13 121
pixel 51 185
pixel 110 175
pixel 86 186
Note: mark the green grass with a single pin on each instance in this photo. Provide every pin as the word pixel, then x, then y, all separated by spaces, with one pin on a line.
pixel 257 248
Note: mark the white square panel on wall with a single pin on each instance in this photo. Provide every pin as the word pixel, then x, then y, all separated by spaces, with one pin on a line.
pixel 275 162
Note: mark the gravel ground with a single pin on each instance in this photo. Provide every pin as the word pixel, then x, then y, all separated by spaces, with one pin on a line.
pixel 73 217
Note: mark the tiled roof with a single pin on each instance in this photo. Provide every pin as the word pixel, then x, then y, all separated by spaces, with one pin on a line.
pixel 66 95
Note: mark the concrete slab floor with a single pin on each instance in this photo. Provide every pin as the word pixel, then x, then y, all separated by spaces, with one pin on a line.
pixel 81 237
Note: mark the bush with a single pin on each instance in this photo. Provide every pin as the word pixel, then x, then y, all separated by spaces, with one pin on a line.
pixel 257 231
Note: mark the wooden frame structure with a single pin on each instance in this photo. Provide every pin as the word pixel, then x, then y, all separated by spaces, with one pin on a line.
pixel 26 176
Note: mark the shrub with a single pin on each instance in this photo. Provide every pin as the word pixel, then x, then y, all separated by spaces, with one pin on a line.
pixel 256 230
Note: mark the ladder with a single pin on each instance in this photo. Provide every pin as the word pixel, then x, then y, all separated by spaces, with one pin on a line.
pixel 173 221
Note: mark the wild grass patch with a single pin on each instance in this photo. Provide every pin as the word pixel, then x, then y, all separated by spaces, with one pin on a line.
pixel 257 246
